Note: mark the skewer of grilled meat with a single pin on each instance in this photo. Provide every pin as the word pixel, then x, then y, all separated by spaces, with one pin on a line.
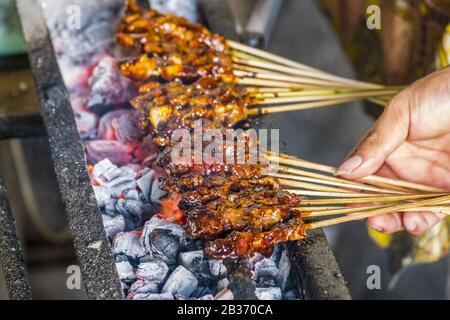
pixel 174 105
pixel 239 178
pixel 149 31
pixel 212 221
pixel 174 67
pixel 241 243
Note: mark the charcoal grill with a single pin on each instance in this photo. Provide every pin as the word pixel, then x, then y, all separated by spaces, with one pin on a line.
pixel 317 274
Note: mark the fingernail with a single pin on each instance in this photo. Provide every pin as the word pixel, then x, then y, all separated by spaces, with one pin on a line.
pixel 410 224
pixel 379 229
pixel 350 165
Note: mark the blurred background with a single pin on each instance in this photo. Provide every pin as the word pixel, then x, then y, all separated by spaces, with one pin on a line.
pixel 296 29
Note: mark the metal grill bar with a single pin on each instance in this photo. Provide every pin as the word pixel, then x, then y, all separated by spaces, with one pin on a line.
pixel 11 258
pixel 91 244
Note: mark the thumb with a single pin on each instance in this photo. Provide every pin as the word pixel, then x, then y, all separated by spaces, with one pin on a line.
pixel 380 142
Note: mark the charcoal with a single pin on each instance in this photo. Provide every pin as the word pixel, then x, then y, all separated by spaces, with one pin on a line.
pixel 115 151
pixel 120 257
pixel 153 296
pixel 290 295
pixel 127 128
pixel 125 287
pixel 156 223
pixel 264 282
pixel 127 243
pixel 224 295
pixel 121 125
pixel 277 252
pixel 107 88
pixel 222 284
pixel 145 184
pixel 113 225
pixel 132 211
pixel 272 293
pixel 132 195
pixel 125 271
pixel 110 208
pixel 217 268
pixel 156 193
pixel 284 268
pixel 153 271
pixel 165 245
pixel 86 124
pixel 192 260
pixel 266 268
pixel 201 292
pixel 101 167
pixel 103 195
pixel 181 281
pixel 142 286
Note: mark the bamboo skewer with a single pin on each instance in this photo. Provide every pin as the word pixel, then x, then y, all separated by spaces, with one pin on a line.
pixel 289 160
pixel 305 176
pixel 376 212
pixel 302 106
pixel 290 79
pixel 270 58
pixel 259 58
pixel 311 186
pixel 300 72
pixel 371 199
pixel 353 96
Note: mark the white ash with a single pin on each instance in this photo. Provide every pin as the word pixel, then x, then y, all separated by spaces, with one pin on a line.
pixel 284 268
pixel 271 275
pixel 192 260
pixel 125 271
pixel 222 284
pixel 153 271
pixel 273 293
pixel 217 268
pixel 127 243
pixel 113 225
pixel 118 194
pixel 86 124
pixel 142 286
pixel 164 245
pixel 107 88
pixel 153 296
pixel 149 186
pixel 157 223
pixel 181 281
pixel 266 268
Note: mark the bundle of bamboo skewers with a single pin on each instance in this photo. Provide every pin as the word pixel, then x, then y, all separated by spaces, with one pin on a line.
pixel 352 200
pixel 280 85
pixel 180 64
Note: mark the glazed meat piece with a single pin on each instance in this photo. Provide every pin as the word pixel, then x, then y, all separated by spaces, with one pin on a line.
pixel 222 182
pixel 203 196
pixel 241 243
pixel 174 105
pixel 214 220
pixel 170 47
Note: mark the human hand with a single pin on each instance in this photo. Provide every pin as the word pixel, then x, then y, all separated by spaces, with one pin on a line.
pixel 410 141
